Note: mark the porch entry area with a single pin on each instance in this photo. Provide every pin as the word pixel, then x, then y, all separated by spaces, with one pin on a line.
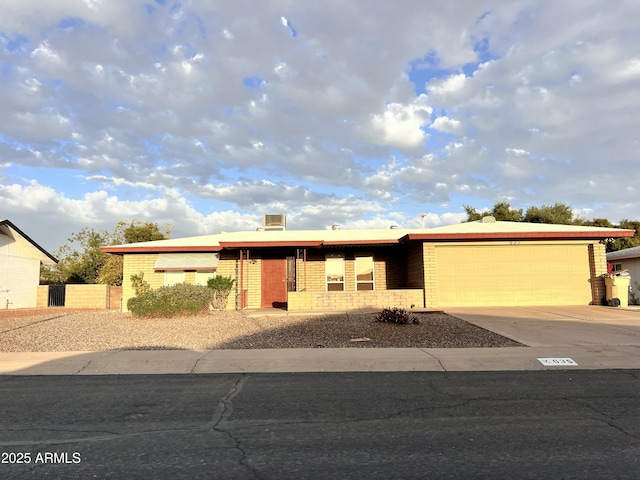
pixel 278 278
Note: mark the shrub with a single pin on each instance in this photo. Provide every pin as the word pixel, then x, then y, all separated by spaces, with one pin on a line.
pixel 139 284
pixel 180 299
pixel 396 315
pixel 221 287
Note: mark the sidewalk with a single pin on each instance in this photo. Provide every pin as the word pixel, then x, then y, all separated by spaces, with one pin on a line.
pixel 125 362
pixel 592 337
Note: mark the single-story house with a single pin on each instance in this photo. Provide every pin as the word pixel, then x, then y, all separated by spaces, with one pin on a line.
pixel 20 259
pixel 485 262
pixel 629 260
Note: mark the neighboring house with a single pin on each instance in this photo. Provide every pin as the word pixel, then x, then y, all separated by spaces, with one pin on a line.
pixel 629 260
pixel 20 259
pixel 486 262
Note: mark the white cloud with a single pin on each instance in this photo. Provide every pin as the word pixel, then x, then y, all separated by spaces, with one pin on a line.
pixel 401 125
pixel 446 124
pixel 215 109
pixel 46 54
pixel 449 85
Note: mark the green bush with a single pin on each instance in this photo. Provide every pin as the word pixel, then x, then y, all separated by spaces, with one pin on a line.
pixel 396 315
pixel 221 287
pixel 180 299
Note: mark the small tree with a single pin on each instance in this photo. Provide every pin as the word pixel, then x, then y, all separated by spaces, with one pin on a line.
pixel 221 287
pixel 559 214
pixel 111 272
pixel 140 286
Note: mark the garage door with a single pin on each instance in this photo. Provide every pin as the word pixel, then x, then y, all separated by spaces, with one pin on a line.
pixel 512 275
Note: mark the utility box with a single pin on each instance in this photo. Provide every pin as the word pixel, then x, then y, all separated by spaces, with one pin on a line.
pixel 617 289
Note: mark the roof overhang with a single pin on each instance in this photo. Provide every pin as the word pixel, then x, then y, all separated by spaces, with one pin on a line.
pixel 307 243
pixel 627 257
pixel 488 236
pixel 186 261
pixel 273 244
pixel 150 249
pixel 632 253
pixel 361 242
pixel 18 235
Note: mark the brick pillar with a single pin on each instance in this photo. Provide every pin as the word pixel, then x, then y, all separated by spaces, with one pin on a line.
pixel 597 267
pixel 429 272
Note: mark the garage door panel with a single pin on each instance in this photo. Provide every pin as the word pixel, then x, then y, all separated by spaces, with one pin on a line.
pixel 512 275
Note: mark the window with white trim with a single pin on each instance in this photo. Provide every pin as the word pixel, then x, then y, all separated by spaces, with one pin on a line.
pixel 202 276
pixel 364 272
pixel 172 277
pixel 334 270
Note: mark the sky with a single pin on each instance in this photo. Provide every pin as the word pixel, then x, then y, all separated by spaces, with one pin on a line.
pixel 365 114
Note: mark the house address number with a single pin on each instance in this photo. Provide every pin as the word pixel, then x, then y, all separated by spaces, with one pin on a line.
pixel 557 362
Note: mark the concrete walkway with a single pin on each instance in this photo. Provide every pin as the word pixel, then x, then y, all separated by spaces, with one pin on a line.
pixel 591 337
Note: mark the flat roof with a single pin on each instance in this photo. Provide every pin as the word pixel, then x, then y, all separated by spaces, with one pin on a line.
pixel 469 231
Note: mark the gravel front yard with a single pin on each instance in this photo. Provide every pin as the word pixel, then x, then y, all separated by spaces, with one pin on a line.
pixel 91 330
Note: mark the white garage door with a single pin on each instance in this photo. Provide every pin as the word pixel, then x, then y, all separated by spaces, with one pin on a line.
pixel 512 275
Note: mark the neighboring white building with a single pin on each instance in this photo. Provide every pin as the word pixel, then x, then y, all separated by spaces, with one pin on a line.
pixel 629 260
pixel 20 259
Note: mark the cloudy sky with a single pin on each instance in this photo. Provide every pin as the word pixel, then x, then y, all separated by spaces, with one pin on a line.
pixel 206 115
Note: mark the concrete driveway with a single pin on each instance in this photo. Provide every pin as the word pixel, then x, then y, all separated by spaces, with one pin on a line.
pixel 546 326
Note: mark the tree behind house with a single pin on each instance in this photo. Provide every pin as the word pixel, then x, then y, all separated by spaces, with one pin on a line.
pixel 82 261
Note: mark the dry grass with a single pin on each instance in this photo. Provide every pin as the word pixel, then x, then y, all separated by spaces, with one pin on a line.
pixel 91 330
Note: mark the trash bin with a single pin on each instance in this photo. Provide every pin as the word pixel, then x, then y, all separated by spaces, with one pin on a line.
pixel 617 288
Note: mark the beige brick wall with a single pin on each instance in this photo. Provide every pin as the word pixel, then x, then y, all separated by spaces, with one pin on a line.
pixel 227 268
pixel 429 272
pixel 253 281
pixel 389 270
pixel 393 264
pixel 86 296
pixel 415 264
pixel 134 264
pixel 248 277
pixel 597 268
pixel 42 296
pixel 352 300
pixel 310 274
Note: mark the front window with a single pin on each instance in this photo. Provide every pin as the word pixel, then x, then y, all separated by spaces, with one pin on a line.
pixel 334 267
pixel 172 277
pixel 364 272
pixel 202 276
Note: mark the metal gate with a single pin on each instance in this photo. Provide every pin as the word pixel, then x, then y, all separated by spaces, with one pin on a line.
pixel 291 274
pixel 57 295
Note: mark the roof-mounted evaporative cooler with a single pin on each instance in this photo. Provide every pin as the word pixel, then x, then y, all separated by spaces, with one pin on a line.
pixel 274 222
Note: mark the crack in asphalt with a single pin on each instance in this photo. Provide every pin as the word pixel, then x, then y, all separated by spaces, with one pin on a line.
pixel 608 419
pixel 221 415
pixel 222 412
pixel 100 438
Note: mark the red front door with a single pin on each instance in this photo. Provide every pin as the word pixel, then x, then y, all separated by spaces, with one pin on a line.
pixel 274 283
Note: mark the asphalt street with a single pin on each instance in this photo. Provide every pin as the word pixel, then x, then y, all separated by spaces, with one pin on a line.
pixel 527 424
